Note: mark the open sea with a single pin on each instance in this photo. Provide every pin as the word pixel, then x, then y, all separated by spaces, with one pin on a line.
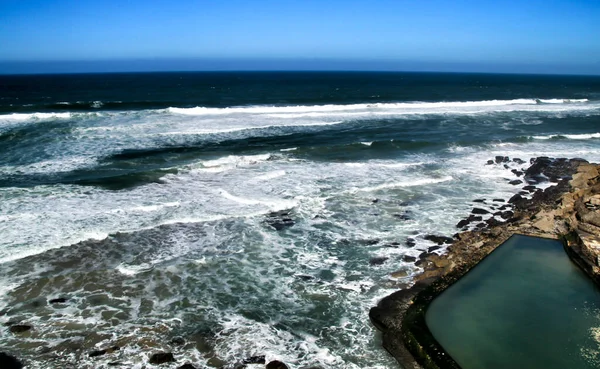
pixel 221 216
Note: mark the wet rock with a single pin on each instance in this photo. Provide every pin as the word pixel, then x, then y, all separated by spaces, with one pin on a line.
pixel 254 360
pixel 409 259
pixel 489 162
pixel 462 223
pixel 506 214
pixel 276 364
pixel 378 260
pixel 280 219
pixel 410 242
pixel 479 200
pixel 515 199
pixel 492 222
pixel 433 248
pixel 305 277
pixel 96 353
pixel 479 211
pixel 530 188
pixel 161 358
pixel 60 300
pixel 518 173
pixel 9 362
pixel 375 201
pixel 502 159
pixel 399 273
pixel 109 350
pixel 438 239
pixel 403 216
pixel 177 341
pixel 515 182
pixel 518 161
pixel 19 328
pixel 498 200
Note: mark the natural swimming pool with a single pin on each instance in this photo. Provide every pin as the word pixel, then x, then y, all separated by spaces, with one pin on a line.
pixel 524 306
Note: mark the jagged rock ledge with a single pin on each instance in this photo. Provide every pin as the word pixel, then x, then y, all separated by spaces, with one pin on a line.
pixel 568 210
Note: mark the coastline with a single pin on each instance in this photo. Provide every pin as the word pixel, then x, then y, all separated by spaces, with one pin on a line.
pixel 566 210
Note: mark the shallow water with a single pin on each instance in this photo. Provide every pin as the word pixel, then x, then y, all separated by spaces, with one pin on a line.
pixel 525 306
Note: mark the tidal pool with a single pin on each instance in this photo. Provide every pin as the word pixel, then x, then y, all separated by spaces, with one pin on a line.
pixel 524 306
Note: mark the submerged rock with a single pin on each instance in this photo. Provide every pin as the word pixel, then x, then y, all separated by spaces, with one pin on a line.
pixel 60 300
pixel 9 362
pixel 378 260
pixel 280 219
pixel 161 358
pixel 276 364
pixel 438 239
pixel 254 360
pixel 19 328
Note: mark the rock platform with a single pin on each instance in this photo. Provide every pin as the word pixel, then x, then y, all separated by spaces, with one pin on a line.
pixel 569 209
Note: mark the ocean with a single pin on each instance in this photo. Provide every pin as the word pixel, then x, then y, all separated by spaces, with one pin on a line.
pixel 225 216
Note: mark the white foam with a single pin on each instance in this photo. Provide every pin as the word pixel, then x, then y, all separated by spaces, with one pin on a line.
pixel 20 117
pixel 389 108
pixel 418 182
pixel 583 136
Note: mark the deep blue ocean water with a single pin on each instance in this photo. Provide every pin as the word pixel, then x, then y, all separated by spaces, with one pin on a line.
pixel 146 201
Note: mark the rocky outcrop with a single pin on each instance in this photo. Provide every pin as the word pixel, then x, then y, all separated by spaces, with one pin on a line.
pixel 569 209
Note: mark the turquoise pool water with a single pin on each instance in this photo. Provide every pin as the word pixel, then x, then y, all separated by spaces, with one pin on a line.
pixel 525 306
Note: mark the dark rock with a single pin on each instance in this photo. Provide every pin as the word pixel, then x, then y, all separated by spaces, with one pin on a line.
pixel 498 200
pixel 410 242
pixel 492 222
pixel 9 362
pixel 60 300
pixel 506 214
pixel 254 360
pixel 518 173
pixel 438 239
pixel 161 358
pixel 489 162
pixel 403 216
pixel 502 159
pixel 375 201
pixel 187 366
pixel 479 200
pixel 97 353
pixel 276 364
pixel 178 341
pixel 506 166
pixel 530 188
pixel 481 225
pixel 392 244
pixel 279 219
pixel 109 350
pixel 479 211
pixel 306 277
pixel 378 260
pixel 515 182
pixel 433 248
pixel 518 161
pixel 462 223
pixel 19 328
pixel 409 259
pixel 515 199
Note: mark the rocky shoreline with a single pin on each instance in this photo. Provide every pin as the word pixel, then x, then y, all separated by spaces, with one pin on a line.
pixel 568 209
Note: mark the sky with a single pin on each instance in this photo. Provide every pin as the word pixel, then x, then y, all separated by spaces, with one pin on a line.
pixel 552 36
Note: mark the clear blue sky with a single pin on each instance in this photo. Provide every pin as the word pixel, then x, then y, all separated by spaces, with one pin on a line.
pixel 501 34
